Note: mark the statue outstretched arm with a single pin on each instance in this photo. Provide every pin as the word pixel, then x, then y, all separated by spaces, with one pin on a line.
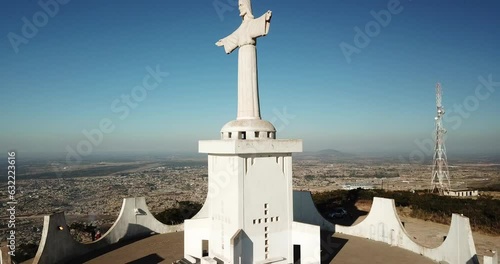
pixel 260 26
pixel 230 43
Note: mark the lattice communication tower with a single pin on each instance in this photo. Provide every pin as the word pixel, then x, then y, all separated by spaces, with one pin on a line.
pixel 440 173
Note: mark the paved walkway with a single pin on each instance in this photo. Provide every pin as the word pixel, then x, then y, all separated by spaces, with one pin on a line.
pixel 343 249
pixel 360 250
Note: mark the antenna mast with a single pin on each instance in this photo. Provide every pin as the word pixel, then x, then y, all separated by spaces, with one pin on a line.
pixel 440 180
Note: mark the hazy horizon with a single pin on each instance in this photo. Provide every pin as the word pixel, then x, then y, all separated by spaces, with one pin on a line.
pixel 166 154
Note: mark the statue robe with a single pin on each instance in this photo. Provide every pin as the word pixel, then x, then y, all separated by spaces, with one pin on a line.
pixel 245 38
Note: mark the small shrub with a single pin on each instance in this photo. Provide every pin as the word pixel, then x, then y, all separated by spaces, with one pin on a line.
pixel 184 210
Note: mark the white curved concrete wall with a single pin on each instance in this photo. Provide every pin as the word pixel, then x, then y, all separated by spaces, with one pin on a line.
pixel 491 259
pixel 1 256
pixel 383 224
pixel 196 230
pixel 204 211
pixel 309 238
pixel 135 220
pixel 305 211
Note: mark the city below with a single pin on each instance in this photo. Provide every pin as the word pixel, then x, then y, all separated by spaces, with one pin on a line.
pixel 91 192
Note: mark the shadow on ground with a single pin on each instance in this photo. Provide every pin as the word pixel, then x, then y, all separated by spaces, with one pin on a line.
pixel 150 259
pixel 96 253
pixel 330 246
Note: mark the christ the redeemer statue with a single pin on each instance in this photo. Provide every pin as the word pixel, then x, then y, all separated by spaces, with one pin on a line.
pixel 245 38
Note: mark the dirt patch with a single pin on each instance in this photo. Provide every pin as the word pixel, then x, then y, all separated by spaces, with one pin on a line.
pixel 363 205
pixel 432 234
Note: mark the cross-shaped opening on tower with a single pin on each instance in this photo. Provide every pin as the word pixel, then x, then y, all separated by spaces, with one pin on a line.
pixel 265 220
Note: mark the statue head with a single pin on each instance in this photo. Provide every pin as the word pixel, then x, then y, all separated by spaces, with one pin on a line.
pixel 245 7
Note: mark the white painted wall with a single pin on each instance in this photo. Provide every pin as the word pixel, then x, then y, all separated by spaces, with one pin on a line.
pixel 305 211
pixel 462 193
pixel 266 184
pixel 383 224
pixel 224 180
pixel 134 220
pixel 309 239
pixel 248 214
pixel 491 259
pixel 195 231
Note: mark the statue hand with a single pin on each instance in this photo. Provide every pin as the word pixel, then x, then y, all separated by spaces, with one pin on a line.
pixel 219 43
pixel 269 13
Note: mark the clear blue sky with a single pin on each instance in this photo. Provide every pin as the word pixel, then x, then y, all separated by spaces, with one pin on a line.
pixel 64 79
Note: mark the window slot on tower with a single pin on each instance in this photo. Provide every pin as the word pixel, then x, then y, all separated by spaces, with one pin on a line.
pixel 205 244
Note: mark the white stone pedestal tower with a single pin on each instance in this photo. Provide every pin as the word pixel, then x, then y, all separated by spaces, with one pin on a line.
pixel 248 214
